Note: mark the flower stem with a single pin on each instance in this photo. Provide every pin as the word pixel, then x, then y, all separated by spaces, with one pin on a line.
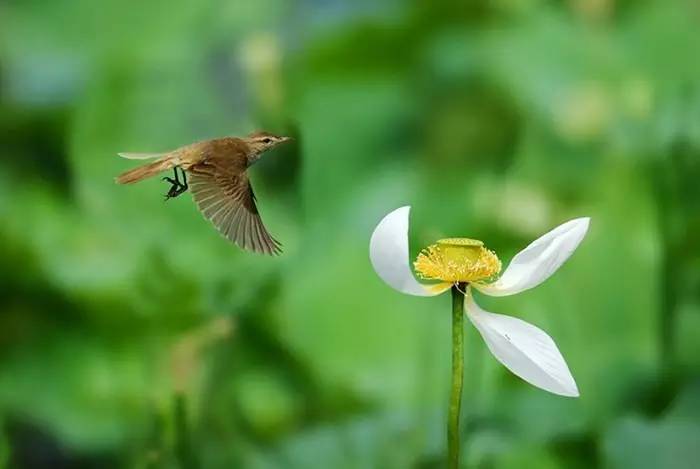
pixel 453 435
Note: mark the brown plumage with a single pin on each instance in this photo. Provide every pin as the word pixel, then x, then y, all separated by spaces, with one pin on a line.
pixel 219 182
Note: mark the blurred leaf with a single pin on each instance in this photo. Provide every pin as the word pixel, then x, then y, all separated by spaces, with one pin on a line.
pixel 4 451
pixel 634 442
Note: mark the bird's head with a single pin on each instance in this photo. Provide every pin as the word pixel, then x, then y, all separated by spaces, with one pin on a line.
pixel 260 142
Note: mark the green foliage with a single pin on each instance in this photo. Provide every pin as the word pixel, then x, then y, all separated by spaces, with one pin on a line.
pixel 133 335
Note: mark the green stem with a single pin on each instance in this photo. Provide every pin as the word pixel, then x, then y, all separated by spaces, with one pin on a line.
pixel 183 444
pixel 453 435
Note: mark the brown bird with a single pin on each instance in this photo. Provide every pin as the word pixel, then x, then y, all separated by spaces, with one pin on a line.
pixel 219 182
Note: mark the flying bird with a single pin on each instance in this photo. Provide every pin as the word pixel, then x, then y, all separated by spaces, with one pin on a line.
pixel 219 183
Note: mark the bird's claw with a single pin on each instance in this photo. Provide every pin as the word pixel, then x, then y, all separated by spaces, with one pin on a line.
pixel 175 190
pixel 176 186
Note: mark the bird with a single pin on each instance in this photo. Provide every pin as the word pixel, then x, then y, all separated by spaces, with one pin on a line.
pixel 221 189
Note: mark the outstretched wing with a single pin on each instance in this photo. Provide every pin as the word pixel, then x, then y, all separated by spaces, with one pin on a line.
pixel 228 201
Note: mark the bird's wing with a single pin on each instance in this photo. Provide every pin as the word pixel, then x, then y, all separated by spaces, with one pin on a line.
pixel 228 201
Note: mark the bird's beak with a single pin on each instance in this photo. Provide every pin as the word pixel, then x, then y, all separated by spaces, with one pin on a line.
pixel 285 139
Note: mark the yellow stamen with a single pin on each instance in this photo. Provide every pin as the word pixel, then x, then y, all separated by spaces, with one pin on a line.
pixel 457 260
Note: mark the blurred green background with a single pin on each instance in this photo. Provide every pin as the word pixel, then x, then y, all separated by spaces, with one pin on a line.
pixel 133 336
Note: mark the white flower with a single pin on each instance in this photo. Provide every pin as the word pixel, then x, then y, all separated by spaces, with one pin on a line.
pixel 524 349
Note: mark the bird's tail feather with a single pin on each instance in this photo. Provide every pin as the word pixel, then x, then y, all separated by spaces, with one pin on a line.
pixel 148 170
pixel 141 156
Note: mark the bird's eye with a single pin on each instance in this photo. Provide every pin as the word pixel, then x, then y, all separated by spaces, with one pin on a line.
pixel 267 140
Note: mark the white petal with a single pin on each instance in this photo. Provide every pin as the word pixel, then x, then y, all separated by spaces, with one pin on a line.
pixel 388 252
pixel 537 262
pixel 525 350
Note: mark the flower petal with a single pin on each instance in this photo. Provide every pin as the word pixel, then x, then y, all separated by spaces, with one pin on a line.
pixel 537 262
pixel 388 252
pixel 525 350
